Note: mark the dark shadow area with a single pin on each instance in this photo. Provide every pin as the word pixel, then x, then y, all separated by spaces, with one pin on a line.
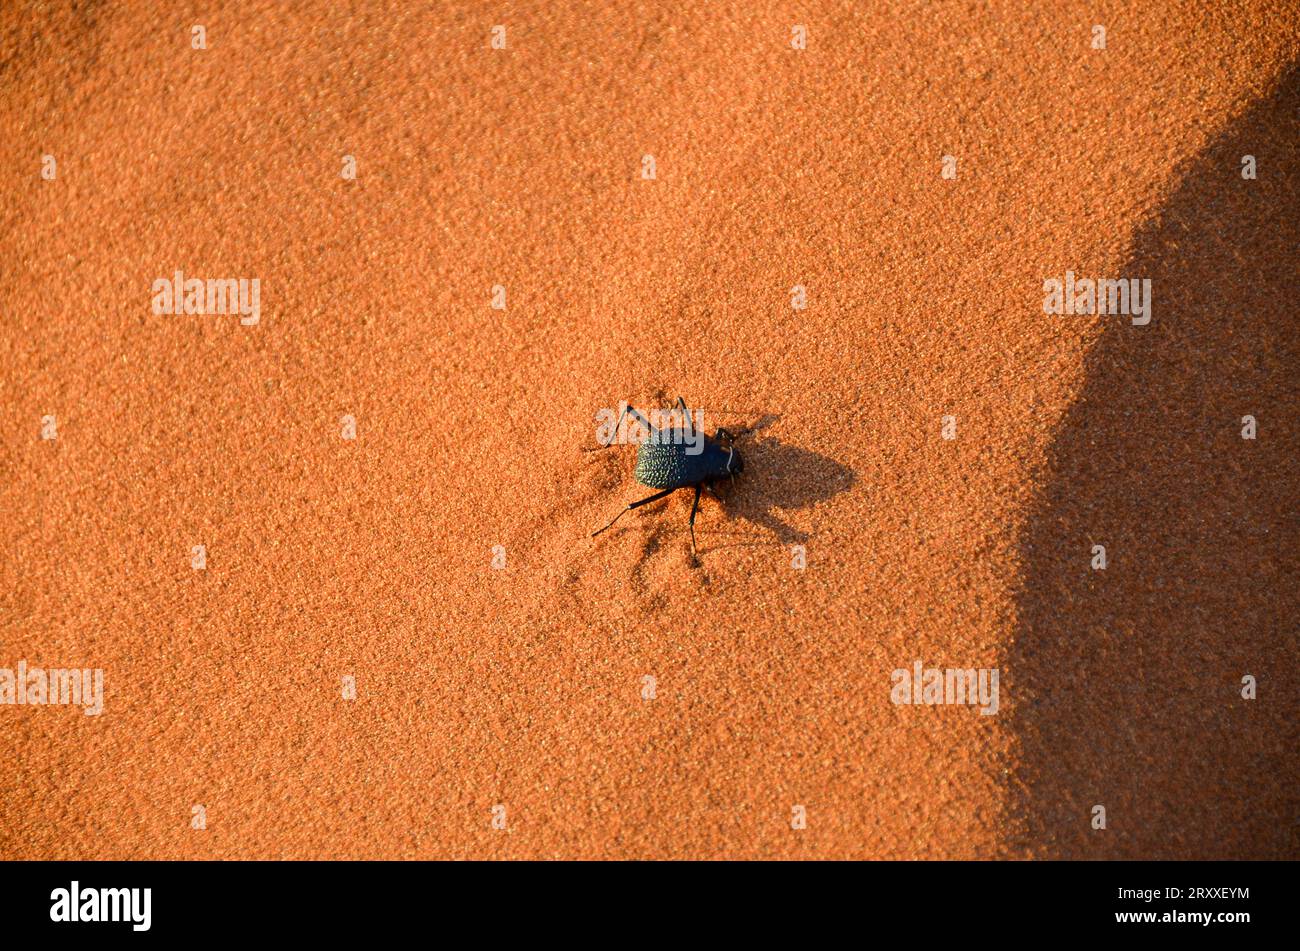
pixel 1125 684
pixel 778 478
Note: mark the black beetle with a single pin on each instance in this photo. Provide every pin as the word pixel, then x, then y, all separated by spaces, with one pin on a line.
pixel 664 463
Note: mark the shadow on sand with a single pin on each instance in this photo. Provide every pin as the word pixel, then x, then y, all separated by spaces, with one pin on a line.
pixel 780 478
pixel 1126 684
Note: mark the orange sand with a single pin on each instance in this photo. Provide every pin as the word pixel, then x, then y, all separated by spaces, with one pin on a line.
pixel 775 167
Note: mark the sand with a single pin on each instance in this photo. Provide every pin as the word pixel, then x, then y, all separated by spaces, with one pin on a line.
pixel 523 686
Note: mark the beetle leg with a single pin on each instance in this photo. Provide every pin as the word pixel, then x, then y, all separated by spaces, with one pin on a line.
pixel 695 507
pixel 634 505
pixel 628 410
pixel 686 414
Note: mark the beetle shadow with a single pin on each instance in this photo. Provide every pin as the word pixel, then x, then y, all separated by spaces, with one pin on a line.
pixel 782 478
pixel 1126 683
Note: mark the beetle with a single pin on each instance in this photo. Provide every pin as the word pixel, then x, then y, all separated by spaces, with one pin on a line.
pixel 663 462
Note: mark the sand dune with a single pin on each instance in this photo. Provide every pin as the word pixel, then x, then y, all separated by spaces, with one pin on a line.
pixel 524 686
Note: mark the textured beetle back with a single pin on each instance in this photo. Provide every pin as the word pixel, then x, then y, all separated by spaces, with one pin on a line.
pixel 660 466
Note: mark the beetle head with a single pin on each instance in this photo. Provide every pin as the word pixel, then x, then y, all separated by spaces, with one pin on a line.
pixel 735 464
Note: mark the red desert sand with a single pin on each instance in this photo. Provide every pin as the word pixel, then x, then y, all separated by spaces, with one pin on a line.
pixel 523 690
